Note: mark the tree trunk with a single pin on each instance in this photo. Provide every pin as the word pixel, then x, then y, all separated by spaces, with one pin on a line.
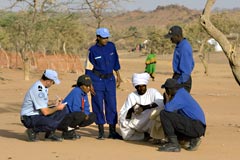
pixel 64 48
pixel 228 48
pixel 26 68
pixel 202 56
pixel 7 58
pixel 34 60
pixel 26 65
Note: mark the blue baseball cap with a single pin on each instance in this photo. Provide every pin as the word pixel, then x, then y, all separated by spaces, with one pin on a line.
pixel 51 74
pixel 103 32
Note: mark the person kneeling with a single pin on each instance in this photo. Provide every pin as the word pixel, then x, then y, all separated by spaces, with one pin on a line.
pixel 182 118
pixel 79 114
pixel 134 117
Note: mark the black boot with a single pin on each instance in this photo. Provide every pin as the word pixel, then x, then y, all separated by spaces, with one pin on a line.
pixel 171 146
pixel 112 132
pixel 194 144
pixel 147 137
pixel 101 132
pixel 51 136
pixel 70 135
pixel 32 136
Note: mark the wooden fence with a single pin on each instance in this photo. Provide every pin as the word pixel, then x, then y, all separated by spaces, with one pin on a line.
pixel 40 62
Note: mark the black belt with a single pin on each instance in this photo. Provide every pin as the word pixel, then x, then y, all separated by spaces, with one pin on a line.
pixel 23 118
pixel 103 76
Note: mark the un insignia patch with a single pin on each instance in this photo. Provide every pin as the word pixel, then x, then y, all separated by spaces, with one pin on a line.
pixel 41 95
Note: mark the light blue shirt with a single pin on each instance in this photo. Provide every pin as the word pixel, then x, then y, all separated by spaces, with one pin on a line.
pixel 35 99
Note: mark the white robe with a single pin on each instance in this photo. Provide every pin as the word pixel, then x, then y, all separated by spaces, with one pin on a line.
pixel 134 128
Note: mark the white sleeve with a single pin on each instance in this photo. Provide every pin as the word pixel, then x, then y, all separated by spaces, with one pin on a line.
pixel 130 101
pixel 158 98
pixel 88 64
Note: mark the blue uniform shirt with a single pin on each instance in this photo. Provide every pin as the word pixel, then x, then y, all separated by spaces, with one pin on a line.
pixel 185 105
pixel 104 58
pixel 183 62
pixel 77 100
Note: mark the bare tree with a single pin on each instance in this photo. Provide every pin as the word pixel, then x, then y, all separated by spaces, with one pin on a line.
pixel 24 30
pixel 228 48
pixel 203 56
pixel 99 7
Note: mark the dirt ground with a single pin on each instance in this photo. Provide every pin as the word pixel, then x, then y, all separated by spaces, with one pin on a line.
pixel 217 93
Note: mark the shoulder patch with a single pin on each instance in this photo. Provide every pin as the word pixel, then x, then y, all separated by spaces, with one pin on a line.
pixel 39 88
pixel 41 95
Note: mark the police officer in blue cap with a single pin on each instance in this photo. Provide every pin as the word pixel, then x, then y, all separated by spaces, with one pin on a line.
pixel 103 58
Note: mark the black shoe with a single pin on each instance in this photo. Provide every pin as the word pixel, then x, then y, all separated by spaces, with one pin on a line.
pixel 169 147
pixel 184 144
pixel 77 136
pixel 112 132
pixel 115 135
pixel 51 136
pixel 70 135
pixel 159 142
pixel 147 137
pixel 194 144
pixel 101 135
pixel 32 136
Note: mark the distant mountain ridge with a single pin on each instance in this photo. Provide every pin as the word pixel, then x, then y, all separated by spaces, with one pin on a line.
pixel 162 16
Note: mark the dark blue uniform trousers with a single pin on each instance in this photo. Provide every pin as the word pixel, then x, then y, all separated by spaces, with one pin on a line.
pixel 105 99
pixel 41 123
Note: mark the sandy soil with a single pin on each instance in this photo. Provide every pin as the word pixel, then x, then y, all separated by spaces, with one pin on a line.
pixel 218 94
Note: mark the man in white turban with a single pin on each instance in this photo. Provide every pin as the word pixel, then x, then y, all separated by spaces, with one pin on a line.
pixel 134 116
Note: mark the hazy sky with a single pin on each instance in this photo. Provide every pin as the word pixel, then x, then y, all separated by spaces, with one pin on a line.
pixel 147 5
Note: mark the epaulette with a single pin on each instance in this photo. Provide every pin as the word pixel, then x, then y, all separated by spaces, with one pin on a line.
pixel 39 88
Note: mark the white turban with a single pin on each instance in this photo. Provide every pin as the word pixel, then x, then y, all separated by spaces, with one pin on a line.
pixel 140 79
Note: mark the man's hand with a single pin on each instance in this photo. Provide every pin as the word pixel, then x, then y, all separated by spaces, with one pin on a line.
pixel 92 91
pixel 58 101
pixel 119 79
pixel 50 110
pixel 138 109
pixel 166 98
pixel 55 102
pixel 60 106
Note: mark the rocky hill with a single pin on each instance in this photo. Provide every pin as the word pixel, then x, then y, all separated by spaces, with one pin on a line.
pixel 162 17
